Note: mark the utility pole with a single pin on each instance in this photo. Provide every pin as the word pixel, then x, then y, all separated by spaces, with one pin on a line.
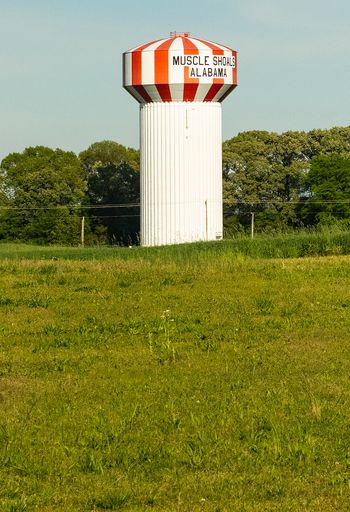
pixel 252 225
pixel 82 239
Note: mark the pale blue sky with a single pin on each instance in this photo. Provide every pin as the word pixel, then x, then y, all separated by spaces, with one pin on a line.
pixel 60 65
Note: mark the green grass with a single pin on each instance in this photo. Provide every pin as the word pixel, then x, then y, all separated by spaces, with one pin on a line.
pixel 177 379
pixel 317 243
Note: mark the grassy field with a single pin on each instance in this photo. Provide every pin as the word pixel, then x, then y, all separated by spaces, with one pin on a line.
pixel 317 243
pixel 191 379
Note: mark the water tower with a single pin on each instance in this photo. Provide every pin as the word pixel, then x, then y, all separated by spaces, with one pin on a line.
pixel 180 83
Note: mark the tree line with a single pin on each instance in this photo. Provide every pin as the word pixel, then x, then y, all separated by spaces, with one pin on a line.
pixel 288 180
pixel 44 194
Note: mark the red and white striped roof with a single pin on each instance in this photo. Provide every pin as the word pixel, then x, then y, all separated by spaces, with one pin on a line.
pixel 180 68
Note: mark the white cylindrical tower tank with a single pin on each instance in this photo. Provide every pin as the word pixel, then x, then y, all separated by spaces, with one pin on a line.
pixel 180 83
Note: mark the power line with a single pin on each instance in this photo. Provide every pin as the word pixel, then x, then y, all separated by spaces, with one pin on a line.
pixel 71 207
pixel 283 203
pixel 137 205
pixel 227 208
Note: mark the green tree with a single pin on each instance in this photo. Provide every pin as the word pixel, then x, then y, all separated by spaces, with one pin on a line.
pixel 335 141
pixel 113 178
pixel 327 191
pixel 43 189
pixel 266 173
pixel 263 173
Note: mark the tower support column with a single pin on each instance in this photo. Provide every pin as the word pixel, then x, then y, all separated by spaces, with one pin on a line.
pixel 181 172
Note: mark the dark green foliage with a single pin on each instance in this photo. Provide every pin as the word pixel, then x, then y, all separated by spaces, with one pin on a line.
pixel 113 178
pixel 42 188
pixel 328 191
pixel 267 173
